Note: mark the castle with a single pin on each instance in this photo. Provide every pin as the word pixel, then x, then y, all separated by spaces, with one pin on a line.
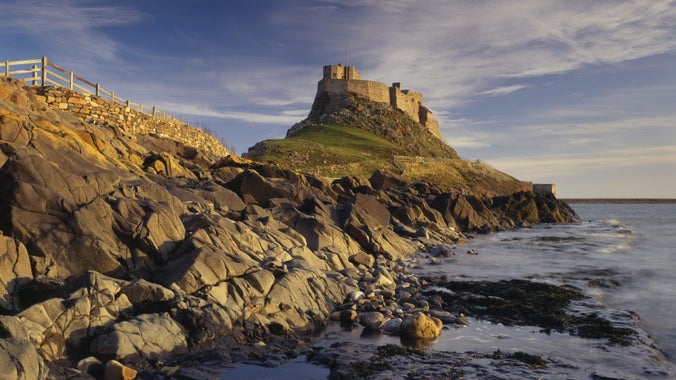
pixel 339 81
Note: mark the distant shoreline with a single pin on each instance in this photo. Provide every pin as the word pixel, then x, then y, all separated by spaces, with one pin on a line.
pixel 619 200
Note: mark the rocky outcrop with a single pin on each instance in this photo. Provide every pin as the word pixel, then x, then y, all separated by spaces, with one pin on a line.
pixel 117 247
pixel 381 120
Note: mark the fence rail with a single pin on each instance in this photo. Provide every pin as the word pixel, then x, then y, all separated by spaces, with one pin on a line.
pixel 41 72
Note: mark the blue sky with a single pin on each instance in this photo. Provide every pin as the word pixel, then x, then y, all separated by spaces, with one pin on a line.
pixel 580 93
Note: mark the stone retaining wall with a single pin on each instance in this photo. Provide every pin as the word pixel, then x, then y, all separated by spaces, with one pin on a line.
pixel 94 109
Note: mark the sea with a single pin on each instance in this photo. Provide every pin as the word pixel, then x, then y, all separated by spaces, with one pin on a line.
pixel 621 255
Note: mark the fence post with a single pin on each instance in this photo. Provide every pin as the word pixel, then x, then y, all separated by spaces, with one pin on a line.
pixel 7 69
pixel 35 75
pixel 98 89
pixel 112 97
pixel 154 110
pixel 71 81
pixel 44 71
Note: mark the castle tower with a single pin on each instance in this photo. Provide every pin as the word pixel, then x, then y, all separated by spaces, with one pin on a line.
pixel 341 72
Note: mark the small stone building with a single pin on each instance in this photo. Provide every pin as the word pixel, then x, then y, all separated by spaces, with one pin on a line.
pixel 544 188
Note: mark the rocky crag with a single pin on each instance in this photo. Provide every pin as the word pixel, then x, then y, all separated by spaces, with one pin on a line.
pixel 127 254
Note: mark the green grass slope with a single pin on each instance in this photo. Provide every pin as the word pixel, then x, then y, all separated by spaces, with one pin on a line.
pixel 340 150
pixel 329 150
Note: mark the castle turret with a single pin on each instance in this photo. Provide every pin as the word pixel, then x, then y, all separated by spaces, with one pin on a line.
pixel 341 72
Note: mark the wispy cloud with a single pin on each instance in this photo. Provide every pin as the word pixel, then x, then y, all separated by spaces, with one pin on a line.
pixel 504 90
pixel 70 27
pixel 286 117
pixel 453 50
pixel 565 165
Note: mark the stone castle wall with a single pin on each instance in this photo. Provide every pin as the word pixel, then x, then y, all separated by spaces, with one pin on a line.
pixel 344 80
pixel 96 110
pixel 407 101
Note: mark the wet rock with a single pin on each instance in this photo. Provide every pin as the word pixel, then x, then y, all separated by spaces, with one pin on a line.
pixel 420 326
pixel 372 320
pixel 347 317
pixel 393 326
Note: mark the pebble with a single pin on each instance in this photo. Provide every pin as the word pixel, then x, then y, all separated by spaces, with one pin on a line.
pixel 392 326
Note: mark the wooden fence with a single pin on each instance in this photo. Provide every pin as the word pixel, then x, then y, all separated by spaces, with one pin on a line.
pixel 38 72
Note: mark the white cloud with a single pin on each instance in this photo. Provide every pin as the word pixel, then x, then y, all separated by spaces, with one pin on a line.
pixel 504 90
pixel 69 27
pixel 453 50
pixel 284 118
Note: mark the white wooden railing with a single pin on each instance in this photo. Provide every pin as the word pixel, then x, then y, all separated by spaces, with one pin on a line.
pixel 38 72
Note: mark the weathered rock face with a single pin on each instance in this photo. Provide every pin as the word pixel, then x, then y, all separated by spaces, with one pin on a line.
pixel 146 336
pixel 15 272
pixel 115 246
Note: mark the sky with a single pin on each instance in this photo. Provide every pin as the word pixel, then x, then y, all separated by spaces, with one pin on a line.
pixel 579 93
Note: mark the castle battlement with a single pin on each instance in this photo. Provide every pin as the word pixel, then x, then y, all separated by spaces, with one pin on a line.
pixel 339 80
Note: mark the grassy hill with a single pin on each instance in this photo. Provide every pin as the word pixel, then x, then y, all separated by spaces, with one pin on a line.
pixel 329 150
pixel 339 150
pixel 359 136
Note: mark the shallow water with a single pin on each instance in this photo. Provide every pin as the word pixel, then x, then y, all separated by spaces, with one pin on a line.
pixel 296 369
pixel 622 255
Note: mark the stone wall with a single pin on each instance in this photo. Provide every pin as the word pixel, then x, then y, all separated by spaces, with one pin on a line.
pixel 407 101
pixel 375 91
pixel 410 102
pixel 96 110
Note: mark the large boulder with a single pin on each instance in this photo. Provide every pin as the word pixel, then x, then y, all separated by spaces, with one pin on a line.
pixel 464 213
pixel 420 326
pixel 367 222
pixel 145 337
pixel 383 179
pixel 59 323
pixel 304 298
pixel 534 208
